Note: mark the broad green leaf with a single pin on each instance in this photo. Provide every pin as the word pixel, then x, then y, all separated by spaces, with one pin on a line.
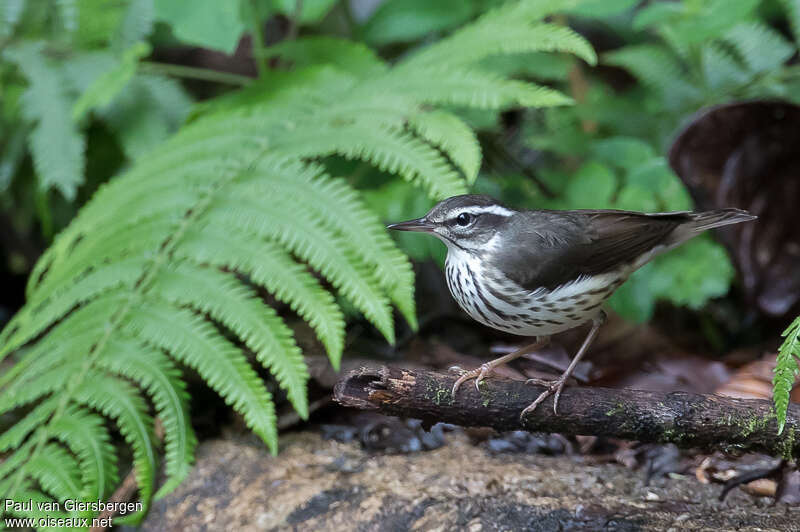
pixel 657 13
pixel 312 11
pixel 136 24
pixel 592 187
pixel 208 23
pixel 622 152
pixel 602 8
pixel 408 20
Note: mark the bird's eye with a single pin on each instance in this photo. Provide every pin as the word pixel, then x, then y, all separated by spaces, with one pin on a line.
pixel 464 219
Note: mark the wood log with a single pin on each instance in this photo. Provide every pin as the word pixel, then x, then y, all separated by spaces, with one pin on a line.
pixel 707 422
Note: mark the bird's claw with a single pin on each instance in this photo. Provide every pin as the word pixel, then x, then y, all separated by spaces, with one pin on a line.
pixel 552 387
pixel 479 374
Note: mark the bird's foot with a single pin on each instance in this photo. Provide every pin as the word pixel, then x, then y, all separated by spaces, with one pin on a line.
pixel 552 388
pixel 478 374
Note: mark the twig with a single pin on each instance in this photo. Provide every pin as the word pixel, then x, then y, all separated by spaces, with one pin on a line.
pixel 203 74
pixel 124 493
pixel 685 419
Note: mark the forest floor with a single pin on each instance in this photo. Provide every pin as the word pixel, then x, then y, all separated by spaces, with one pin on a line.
pixel 324 484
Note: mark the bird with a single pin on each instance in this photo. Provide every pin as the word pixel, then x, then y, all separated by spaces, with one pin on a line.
pixel 536 273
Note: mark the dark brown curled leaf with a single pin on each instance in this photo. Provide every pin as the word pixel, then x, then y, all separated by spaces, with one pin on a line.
pixel 747 155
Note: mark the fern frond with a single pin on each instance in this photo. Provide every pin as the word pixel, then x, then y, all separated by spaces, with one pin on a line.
pixel 474 88
pixel 12 463
pixel 110 242
pixel 786 370
pixel 335 205
pixel 156 373
pixel 762 49
pixel 656 67
pixel 14 436
pixel 75 333
pixel 720 68
pixel 56 470
pixel 272 268
pixel 44 310
pixel 26 493
pixel 389 149
pixel 453 136
pixel 38 386
pixel 198 344
pixel 322 250
pixel 120 401
pixel 87 437
pixel 508 30
pixel 234 305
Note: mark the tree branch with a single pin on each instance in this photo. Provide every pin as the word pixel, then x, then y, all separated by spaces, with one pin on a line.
pixel 687 420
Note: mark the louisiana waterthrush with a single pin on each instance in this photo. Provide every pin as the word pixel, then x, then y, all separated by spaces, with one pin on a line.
pixel 536 273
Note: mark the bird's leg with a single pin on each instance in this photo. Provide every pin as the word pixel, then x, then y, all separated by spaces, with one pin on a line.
pixel 486 369
pixel 555 387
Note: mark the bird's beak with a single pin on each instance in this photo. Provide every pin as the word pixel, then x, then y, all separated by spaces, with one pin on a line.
pixel 420 224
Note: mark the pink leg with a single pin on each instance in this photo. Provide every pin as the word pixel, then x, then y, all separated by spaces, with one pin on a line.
pixel 486 369
pixel 555 387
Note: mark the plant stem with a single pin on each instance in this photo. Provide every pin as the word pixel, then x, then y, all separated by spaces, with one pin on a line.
pixel 294 21
pixel 204 74
pixel 258 41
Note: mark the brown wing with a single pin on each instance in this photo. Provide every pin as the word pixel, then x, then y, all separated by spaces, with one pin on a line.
pixel 552 248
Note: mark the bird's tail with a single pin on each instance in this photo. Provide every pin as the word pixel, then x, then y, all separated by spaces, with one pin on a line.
pixel 703 221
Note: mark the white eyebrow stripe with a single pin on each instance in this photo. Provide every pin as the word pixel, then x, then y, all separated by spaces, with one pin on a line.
pixel 490 209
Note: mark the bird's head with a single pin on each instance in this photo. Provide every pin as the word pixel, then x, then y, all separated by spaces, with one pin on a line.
pixel 468 222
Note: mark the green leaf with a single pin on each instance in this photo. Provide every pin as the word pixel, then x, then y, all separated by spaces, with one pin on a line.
pixel 312 11
pixel 351 57
pixel 708 19
pixel 792 8
pixel 602 8
pixel 10 14
pixel 408 20
pixel 592 187
pixel 786 370
pixel 207 23
pixel 622 152
pixel 136 24
pixel 692 274
pixel 96 23
pixel 658 13
pixel 635 300
pixel 107 86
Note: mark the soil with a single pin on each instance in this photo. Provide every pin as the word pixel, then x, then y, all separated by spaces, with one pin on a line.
pixel 318 484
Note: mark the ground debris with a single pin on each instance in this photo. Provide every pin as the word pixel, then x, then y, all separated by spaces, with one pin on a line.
pixel 318 484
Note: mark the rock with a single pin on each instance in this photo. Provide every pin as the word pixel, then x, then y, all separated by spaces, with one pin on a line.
pixel 316 484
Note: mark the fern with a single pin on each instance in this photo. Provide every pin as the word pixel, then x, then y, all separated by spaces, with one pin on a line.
pixel 786 369
pixel 56 144
pixel 234 203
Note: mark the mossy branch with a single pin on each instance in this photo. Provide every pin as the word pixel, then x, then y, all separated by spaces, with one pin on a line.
pixel 685 419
